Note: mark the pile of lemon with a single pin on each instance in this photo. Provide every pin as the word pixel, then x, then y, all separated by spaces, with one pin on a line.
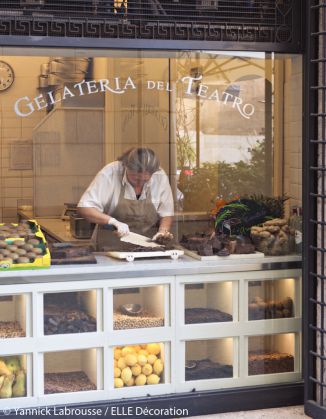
pixel 137 365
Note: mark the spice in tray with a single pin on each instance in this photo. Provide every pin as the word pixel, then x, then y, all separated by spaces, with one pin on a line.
pixel 206 369
pixel 145 319
pixel 11 330
pixel 205 315
pixel 66 382
pixel 263 362
pixel 260 309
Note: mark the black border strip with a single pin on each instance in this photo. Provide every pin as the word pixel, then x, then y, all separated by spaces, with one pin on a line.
pixel 199 402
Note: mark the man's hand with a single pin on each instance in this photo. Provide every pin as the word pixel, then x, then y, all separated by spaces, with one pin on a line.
pixel 122 228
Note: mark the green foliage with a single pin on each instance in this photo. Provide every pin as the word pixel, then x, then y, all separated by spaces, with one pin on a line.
pixel 225 180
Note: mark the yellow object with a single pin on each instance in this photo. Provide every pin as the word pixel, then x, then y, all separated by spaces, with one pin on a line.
pixel 137 348
pixel 136 370
pixel 153 379
pixel 117 354
pixel 153 348
pixel 39 262
pixel 142 352
pixel 151 359
pixel 2 378
pixel 142 360
pixel 127 350
pixel 158 366
pixel 19 389
pixel 122 363
pixel 141 380
pixel 118 383
pixel 117 372
pixel 131 382
pixel 147 369
pixel 131 360
pixel 126 375
pixel 115 363
pixel 4 370
pixel 6 389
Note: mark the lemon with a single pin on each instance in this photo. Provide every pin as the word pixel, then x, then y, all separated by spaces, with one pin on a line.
pixel 147 369
pixel 127 350
pixel 126 375
pixel 140 380
pixel 158 366
pixel 131 360
pixel 122 363
pixel 153 348
pixel 142 352
pixel 118 383
pixel 142 360
pixel 131 382
pixel 115 363
pixel 137 348
pixel 153 379
pixel 136 370
pixel 117 354
pixel 117 372
pixel 151 359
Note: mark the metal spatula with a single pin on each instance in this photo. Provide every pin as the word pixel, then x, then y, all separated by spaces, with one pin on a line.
pixel 135 238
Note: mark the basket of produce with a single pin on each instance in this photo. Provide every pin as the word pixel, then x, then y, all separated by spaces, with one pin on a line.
pixel 23 246
pixel 274 237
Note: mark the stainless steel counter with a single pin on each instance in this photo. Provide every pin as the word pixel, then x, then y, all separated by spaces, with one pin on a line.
pixel 108 268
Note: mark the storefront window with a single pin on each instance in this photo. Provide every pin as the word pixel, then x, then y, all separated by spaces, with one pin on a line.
pixel 225 127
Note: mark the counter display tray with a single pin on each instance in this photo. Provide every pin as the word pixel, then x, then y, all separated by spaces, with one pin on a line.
pixel 130 256
pixel 234 256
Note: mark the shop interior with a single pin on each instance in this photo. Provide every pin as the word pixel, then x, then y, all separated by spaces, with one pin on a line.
pixel 227 130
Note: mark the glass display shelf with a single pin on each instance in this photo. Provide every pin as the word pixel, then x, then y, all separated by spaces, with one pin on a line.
pixel 209 302
pixel 209 359
pixel 70 371
pixel 70 312
pixel 272 299
pixel 12 316
pixel 139 365
pixel 141 307
pixel 271 354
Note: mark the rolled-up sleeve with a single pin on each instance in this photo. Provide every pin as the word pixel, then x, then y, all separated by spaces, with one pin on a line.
pixel 98 193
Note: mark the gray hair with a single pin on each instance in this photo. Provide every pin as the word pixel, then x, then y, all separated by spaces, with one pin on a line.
pixel 140 160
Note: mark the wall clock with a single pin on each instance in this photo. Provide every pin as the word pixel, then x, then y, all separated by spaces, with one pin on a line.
pixel 7 76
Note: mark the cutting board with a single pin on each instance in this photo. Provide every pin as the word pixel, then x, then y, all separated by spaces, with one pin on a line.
pixel 130 256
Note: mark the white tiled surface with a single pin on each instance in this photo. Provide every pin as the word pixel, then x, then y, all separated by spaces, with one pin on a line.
pixel 293 412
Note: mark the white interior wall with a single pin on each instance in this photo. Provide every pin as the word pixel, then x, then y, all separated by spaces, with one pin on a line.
pixel 17 185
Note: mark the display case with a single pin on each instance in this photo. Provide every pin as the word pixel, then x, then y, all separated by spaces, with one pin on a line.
pixel 70 312
pixel 141 307
pixel 71 371
pixel 15 376
pixel 210 359
pixel 171 354
pixel 13 316
pixel 272 354
pixel 273 299
pixel 210 302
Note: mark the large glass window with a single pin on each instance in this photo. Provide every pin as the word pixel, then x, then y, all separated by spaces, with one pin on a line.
pixel 225 127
